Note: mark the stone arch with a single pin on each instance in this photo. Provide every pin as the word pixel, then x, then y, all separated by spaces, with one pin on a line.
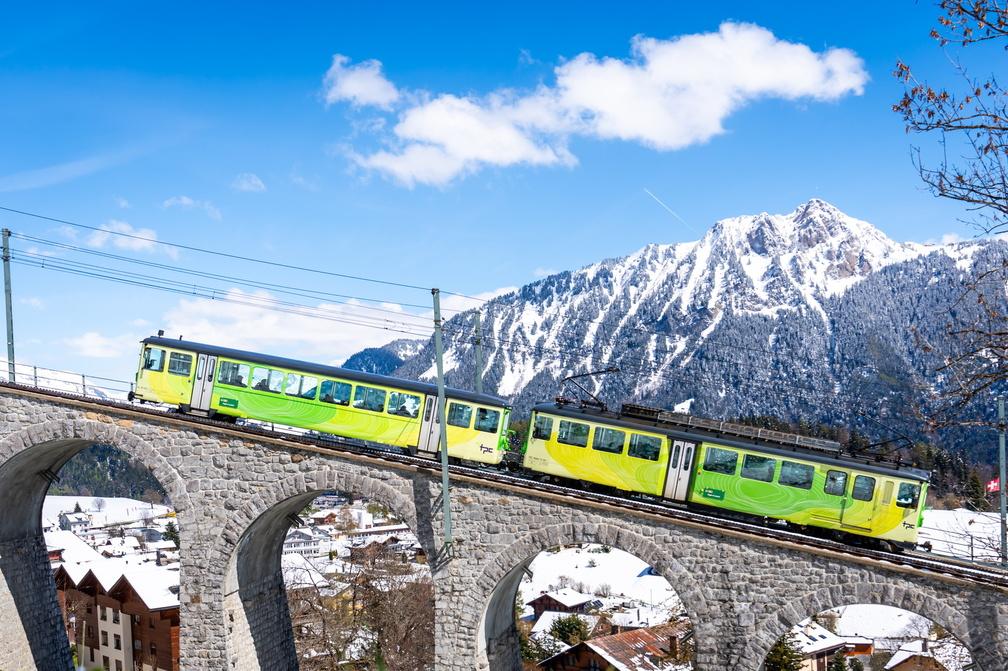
pixel 496 637
pixel 256 616
pixel 908 598
pixel 28 459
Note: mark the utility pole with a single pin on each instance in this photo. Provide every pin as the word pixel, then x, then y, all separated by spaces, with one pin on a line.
pixel 10 308
pixel 479 355
pixel 441 417
pixel 1003 495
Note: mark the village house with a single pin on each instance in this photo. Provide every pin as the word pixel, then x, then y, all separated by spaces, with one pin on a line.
pixel 78 523
pixel 817 645
pixel 660 648
pixel 564 600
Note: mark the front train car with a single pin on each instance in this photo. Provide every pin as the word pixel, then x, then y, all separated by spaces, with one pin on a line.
pixel 211 381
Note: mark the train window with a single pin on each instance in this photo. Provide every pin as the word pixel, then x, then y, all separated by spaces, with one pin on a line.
pixel 760 468
pixel 487 420
pixel 864 488
pixel 796 475
pixel 720 461
pixel 369 398
pixel 573 433
pixel 609 440
pixel 153 359
pixel 234 374
pixel 309 386
pixel 403 404
pixel 265 379
pixel 293 386
pixel 459 414
pixel 646 447
pixel 335 392
pixel 543 428
pixel 836 483
pixel 887 492
pixel 427 409
pixel 908 495
pixel 674 461
pixel 180 364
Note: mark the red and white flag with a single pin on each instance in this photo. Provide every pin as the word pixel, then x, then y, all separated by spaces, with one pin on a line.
pixel 994 485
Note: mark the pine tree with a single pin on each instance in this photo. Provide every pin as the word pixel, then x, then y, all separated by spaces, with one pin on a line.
pixel 570 629
pixel 856 665
pixel 838 662
pixel 784 655
pixel 976 496
pixel 171 533
pixel 77 508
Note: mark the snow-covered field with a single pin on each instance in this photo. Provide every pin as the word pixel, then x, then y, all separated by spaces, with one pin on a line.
pixel 626 580
pixel 962 533
pixel 113 510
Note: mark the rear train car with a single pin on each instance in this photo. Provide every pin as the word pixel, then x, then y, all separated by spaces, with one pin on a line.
pixel 212 381
pixel 755 472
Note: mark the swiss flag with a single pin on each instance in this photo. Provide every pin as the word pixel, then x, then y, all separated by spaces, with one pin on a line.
pixel 994 485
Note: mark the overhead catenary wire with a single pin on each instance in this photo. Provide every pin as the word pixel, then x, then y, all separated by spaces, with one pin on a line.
pixel 229 255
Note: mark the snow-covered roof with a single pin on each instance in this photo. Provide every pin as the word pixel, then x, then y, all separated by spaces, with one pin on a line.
pixel 73 518
pixel 546 620
pixel 157 586
pixel 75 550
pixel 640 649
pixel 813 638
pixel 948 652
pixel 567 596
pixel 299 572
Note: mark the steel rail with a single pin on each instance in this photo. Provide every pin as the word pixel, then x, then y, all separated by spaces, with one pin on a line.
pixel 947 566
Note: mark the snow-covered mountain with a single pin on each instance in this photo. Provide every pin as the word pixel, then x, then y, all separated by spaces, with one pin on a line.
pixel 801 315
pixel 385 359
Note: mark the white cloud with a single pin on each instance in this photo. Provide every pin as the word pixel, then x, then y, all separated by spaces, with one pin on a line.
pixel 122 203
pixel 667 95
pixel 187 203
pixel 360 84
pixel 132 239
pixel 139 323
pixel 34 302
pixel 248 181
pixel 297 179
pixel 97 346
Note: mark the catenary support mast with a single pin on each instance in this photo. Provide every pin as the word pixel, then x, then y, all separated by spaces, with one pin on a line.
pixel 1002 485
pixel 440 418
pixel 479 354
pixel 10 308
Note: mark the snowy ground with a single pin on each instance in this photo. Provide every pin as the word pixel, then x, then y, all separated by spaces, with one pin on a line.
pixel 962 533
pixel 114 510
pixel 626 579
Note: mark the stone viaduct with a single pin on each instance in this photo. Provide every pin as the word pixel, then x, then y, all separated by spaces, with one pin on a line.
pixel 235 493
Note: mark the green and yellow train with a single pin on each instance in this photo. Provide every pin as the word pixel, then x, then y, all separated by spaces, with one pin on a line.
pixel 806 482
pixel 212 381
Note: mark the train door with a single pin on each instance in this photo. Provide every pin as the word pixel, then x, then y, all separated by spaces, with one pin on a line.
pixel 430 427
pixel 203 384
pixel 681 457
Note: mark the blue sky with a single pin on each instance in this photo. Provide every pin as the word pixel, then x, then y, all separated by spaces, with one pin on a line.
pixel 217 126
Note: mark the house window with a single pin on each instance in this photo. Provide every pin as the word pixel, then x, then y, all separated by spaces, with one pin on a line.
pixel 103 613
pixel 153 649
pixel 105 663
pixel 117 641
pixel 115 616
pixel 136 620
pixel 119 666
pixel 104 640
pixel 136 644
pixel 150 622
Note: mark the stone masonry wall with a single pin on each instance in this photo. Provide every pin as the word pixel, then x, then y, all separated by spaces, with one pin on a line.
pixel 233 496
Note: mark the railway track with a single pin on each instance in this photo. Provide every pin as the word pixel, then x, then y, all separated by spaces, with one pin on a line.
pixel 953 567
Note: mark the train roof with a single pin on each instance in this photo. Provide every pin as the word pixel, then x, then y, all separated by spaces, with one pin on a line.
pixel 732 434
pixel 320 369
